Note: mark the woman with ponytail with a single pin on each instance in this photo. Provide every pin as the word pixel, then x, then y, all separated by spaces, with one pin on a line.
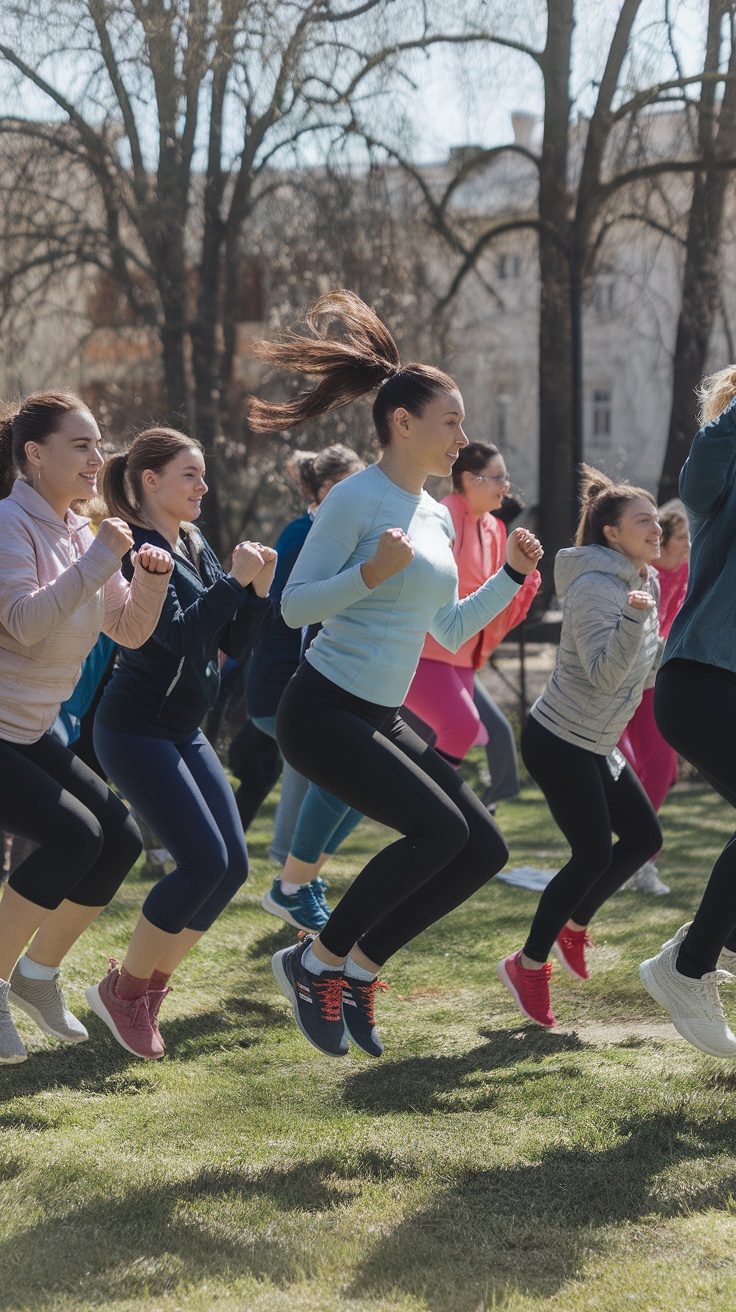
pixel 147 733
pixel 60 587
pixel 378 573
pixel 695 711
pixel 310 823
pixel 609 646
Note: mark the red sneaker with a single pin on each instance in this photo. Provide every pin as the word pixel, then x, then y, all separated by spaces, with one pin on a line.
pixel 155 997
pixel 127 1018
pixel 570 951
pixel 529 989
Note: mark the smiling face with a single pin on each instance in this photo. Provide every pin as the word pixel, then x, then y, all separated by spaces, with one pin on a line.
pixel 435 437
pixel 638 533
pixel 485 489
pixel 64 468
pixel 174 493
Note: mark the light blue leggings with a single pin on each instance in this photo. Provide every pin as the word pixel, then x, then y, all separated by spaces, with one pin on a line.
pixel 309 821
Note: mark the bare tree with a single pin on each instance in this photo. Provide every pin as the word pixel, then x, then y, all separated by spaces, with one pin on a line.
pixel 701 286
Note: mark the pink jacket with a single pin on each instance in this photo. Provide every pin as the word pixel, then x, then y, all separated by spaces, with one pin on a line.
pixel 59 587
pixel 480 551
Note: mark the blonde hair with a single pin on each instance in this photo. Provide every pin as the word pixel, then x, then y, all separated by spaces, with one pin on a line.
pixel 714 393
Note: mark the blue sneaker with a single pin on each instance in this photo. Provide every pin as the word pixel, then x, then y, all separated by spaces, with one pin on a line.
pixel 320 887
pixel 357 1010
pixel 316 1000
pixel 302 909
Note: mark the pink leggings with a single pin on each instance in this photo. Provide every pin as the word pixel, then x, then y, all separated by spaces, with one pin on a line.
pixel 442 696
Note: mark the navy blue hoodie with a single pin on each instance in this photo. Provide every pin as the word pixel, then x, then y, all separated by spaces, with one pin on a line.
pixel 165 688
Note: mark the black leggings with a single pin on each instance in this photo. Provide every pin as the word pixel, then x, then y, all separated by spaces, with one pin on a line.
pixel 695 710
pixel 587 803
pixel 87 839
pixel 368 757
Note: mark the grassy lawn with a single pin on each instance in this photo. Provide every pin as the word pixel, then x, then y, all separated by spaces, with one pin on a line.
pixel 481 1164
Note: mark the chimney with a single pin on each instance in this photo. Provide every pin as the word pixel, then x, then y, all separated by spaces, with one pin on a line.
pixel 523 124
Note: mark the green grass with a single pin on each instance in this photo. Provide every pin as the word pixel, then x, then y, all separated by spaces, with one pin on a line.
pixel 482 1164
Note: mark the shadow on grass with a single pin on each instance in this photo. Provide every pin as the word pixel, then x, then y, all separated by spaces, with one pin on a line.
pixel 145 1241
pixel 441 1083
pixel 483 1237
pixel 103 1067
pixel 528 1228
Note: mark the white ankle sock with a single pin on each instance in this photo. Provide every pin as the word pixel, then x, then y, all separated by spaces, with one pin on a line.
pixel 357 972
pixel 313 964
pixel 32 970
pixel 289 890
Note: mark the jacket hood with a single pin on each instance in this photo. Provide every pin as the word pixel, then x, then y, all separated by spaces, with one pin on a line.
pixel 36 505
pixel 571 562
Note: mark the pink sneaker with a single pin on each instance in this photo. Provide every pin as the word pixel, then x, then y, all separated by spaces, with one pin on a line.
pixel 154 998
pixel 127 1019
pixel 570 951
pixel 529 989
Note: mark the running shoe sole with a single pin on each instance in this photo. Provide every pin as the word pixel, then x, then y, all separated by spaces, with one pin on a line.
pixel 38 1017
pixel 275 909
pixel 99 1008
pixel 289 992
pixel 505 979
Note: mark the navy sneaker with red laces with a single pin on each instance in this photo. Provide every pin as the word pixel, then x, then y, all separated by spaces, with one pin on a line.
pixel 316 1000
pixel 357 1009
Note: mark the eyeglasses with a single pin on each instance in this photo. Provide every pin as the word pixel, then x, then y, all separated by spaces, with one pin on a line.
pixel 490 478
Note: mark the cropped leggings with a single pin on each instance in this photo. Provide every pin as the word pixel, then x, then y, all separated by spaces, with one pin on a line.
pixel 87 840
pixel 369 758
pixel 183 794
pixel 695 710
pixel 587 803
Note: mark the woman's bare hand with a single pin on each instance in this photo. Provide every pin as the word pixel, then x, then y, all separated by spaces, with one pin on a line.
pixel 523 551
pixel 115 534
pixel 393 553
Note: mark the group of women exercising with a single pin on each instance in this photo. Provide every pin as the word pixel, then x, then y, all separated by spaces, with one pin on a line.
pixel 382 598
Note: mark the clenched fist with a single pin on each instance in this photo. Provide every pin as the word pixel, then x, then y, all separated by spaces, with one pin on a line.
pixel 247 562
pixel 116 535
pixel 393 553
pixel 262 582
pixel 523 551
pixel 640 600
pixel 154 560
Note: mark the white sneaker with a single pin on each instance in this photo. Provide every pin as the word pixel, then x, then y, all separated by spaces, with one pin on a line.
pixel 693 1004
pixel 726 961
pixel 43 1000
pixel 12 1048
pixel 647 880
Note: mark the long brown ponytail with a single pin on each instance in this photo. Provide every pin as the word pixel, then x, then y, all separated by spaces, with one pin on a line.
pixel 35 420
pixel 352 353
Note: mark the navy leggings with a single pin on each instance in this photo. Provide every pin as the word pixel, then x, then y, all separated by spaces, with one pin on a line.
pixel 371 760
pixel 587 803
pixel 87 839
pixel 182 793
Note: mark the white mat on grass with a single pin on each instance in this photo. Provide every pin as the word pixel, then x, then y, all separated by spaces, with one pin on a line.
pixel 527 877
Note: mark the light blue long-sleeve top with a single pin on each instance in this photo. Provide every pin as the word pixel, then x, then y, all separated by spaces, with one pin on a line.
pixel 371 639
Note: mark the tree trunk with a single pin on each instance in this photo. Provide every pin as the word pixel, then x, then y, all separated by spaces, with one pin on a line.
pixel 557 510
pixel 701 288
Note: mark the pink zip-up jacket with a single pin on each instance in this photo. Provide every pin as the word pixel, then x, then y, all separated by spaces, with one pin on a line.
pixel 480 551
pixel 59 588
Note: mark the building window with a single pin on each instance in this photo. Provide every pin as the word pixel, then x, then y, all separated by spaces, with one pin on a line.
pixel 602 426
pixel 503 267
pixel 509 266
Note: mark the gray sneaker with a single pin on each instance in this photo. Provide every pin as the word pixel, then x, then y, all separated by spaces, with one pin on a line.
pixel 12 1048
pixel 647 880
pixel 44 1002
pixel 694 1005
